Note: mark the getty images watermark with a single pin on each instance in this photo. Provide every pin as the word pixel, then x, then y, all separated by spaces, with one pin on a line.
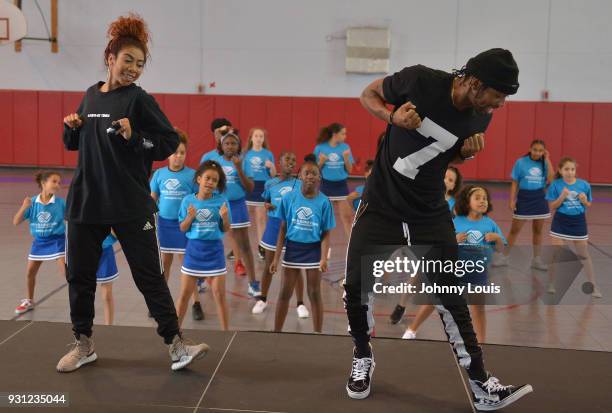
pixel 407 268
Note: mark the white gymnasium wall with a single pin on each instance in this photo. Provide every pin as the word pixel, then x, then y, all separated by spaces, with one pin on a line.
pixel 283 47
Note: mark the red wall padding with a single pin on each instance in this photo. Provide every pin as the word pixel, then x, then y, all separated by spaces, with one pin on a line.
pixel 31 127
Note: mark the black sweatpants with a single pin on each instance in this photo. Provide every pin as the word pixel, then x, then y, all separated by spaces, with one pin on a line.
pixel 139 242
pixel 372 230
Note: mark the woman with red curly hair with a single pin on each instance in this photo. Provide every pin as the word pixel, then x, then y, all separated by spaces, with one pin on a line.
pixel 119 130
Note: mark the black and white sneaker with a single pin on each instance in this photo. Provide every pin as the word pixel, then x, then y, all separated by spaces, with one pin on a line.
pixel 492 395
pixel 358 385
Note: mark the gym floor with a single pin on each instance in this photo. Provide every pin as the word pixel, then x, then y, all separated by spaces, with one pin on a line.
pixel 264 365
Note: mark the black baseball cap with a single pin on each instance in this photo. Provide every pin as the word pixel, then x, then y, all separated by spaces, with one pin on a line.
pixel 496 68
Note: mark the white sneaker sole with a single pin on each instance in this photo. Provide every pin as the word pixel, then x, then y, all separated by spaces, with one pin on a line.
pixel 303 315
pixel 523 391
pixel 85 360
pixel 365 394
pixel 24 311
pixel 187 360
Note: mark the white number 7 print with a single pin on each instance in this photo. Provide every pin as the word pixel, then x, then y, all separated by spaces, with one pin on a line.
pixel 409 166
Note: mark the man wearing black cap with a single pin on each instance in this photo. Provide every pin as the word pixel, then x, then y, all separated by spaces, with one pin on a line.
pixel 437 118
pixel 219 127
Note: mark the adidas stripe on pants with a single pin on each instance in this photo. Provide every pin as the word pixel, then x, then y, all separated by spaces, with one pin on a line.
pixel 372 230
pixel 139 242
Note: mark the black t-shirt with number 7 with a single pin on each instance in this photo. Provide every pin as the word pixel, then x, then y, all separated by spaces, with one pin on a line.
pixel 407 180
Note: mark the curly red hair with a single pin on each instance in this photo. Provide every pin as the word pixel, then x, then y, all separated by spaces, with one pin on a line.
pixel 130 30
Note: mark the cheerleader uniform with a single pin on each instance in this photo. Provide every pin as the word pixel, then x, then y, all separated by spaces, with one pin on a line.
pixel 307 219
pixel 569 222
pixel 235 194
pixel 254 166
pixel 475 248
pixel 531 198
pixel 48 229
pixel 107 268
pixel 171 187
pixel 204 254
pixel 333 173
pixel 274 191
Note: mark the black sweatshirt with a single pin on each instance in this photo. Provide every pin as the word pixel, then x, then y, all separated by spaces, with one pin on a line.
pixel 111 182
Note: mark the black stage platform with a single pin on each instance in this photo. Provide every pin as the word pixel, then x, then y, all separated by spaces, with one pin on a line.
pixel 292 373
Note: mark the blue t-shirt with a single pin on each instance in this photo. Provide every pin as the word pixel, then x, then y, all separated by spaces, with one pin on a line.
pixel 529 174
pixel 207 223
pixel 571 204
pixel 306 218
pixel 108 241
pixel 254 164
pixel 233 188
pixel 211 155
pixel 46 220
pixel 451 204
pixel 275 190
pixel 333 169
pixel 359 190
pixel 171 187
pixel 475 247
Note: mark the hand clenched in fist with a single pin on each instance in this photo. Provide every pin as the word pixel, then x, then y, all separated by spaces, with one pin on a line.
pixel 406 117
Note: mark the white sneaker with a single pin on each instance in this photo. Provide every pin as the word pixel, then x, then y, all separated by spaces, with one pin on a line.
pixel 552 289
pixel 596 293
pixel 500 260
pixel 25 306
pixel 538 264
pixel 302 311
pixel 409 335
pixel 259 307
pixel 183 354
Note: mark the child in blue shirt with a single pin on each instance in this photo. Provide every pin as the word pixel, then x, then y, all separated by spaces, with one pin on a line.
pixel 274 191
pixel 219 127
pixel 530 176
pixel 205 217
pixel 238 185
pixel 307 216
pixel 169 185
pixel 258 164
pixel 354 197
pixel 570 197
pixel 478 236
pixel 46 215
pixel 335 160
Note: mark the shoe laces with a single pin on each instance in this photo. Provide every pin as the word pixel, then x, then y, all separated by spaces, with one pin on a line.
pixel 493 385
pixel 76 345
pixel 25 302
pixel 361 368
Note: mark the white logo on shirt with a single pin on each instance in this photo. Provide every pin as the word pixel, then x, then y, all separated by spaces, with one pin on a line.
pixel 304 213
pixel 285 190
pixel 172 184
pixel 572 195
pixel 147 144
pixel 204 214
pixel 256 161
pixel 474 237
pixel 334 157
pixel 535 171
pixel 43 217
pixel 228 170
pixel 98 115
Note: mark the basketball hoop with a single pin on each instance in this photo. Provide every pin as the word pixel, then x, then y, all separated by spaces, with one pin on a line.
pixel 12 23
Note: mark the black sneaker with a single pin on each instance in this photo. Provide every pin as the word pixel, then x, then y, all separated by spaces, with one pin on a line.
pixel 230 255
pixel 196 311
pixel 261 252
pixel 358 385
pixel 492 395
pixel 397 314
